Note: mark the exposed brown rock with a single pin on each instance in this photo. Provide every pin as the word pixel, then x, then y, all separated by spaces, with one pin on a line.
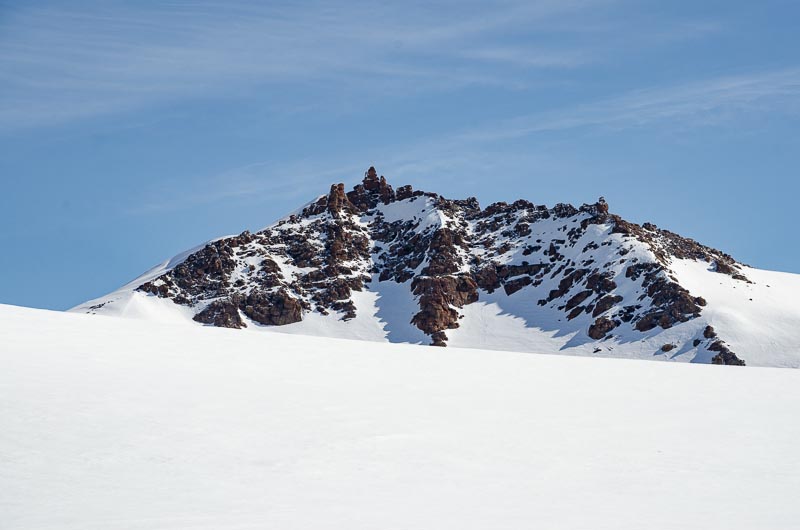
pixel 272 309
pixel 724 355
pixel 338 201
pixel 512 286
pixel 601 327
pixel 605 303
pixel 443 251
pixel 487 278
pixel 578 299
pixel 601 283
pixel 566 283
pixel 575 313
pixel 437 296
pixel 221 313
pixel 404 192
pixel 670 303
pixel 371 191
pixel 532 269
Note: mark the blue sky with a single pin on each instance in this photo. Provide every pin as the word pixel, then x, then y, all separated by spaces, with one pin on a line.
pixel 132 131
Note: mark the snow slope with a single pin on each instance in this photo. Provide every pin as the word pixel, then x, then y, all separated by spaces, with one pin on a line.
pixel 760 320
pixel 113 423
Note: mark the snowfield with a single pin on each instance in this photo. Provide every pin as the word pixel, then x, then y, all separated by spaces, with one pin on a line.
pixel 116 423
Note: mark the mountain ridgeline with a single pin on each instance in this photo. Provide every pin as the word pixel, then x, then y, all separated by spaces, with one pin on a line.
pixel 577 272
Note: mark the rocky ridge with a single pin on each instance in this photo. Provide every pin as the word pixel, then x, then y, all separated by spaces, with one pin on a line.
pixel 583 263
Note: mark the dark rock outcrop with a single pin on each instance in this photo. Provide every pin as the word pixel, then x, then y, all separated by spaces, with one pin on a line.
pixel 724 355
pixel 221 313
pixel 272 309
pixel 437 296
pixel 600 328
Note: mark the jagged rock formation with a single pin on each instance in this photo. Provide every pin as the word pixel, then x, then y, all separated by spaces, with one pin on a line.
pixel 584 264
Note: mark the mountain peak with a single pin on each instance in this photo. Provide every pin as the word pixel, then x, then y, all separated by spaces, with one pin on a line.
pixel 412 266
pixel 373 189
pixel 371 180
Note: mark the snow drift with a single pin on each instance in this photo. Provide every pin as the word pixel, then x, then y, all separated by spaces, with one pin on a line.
pixel 113 423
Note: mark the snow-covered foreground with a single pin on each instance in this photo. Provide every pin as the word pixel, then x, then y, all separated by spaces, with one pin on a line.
pixel 110 423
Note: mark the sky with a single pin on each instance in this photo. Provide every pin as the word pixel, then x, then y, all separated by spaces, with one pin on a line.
pixel 131 131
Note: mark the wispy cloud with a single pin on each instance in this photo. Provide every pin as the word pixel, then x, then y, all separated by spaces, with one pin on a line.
pixel 58 63
pixel 702 102
pixel 474 152
pixel 286 183
pixel 528 56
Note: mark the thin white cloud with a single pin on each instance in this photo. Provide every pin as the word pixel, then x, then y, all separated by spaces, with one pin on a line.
pixel 58 63
pixel 528 56
pixel 696 103
pixel 300 180
pixel 715 101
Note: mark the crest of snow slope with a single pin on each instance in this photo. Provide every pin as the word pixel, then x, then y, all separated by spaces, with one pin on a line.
pixel 127 302
pixel 373 292
pixel 761 318
pixel 112 424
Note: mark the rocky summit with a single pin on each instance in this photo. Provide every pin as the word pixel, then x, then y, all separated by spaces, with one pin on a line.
pixel 405 265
